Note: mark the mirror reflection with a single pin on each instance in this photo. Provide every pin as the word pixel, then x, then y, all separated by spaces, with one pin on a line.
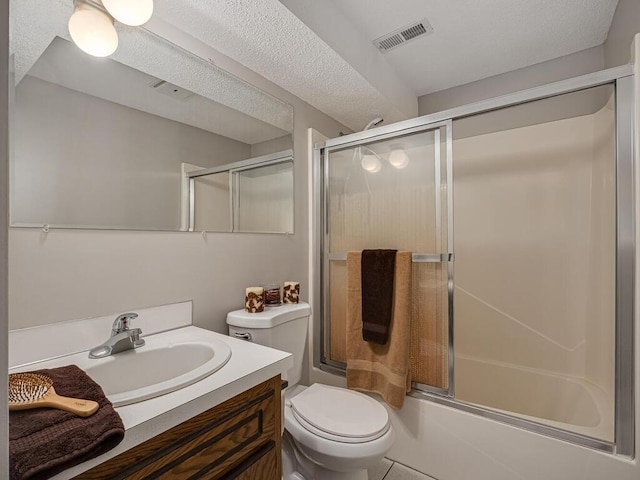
pixel 110 142
pixel 250 196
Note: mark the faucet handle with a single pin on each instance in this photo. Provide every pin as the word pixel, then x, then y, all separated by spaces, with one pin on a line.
pixel 135 337
pixel 121 324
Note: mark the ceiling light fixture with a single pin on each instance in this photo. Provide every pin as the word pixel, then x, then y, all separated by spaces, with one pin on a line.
pixel 130 12
pixel 92 24
pixel 92 30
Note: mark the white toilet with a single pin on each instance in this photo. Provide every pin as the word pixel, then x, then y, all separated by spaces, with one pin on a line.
pixel 330 433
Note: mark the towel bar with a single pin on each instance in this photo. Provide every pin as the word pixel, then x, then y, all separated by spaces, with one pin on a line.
pixel 415 258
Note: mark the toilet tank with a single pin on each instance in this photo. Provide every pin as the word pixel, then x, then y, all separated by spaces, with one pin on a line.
pixel 283 328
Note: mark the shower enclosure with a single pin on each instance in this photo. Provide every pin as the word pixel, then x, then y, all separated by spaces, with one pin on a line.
pixel 519 215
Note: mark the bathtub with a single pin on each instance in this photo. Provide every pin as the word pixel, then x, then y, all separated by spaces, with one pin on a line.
pixel 565 402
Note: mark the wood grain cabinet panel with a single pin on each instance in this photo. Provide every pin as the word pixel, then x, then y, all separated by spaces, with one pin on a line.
pixel 237 438
pixel 264 467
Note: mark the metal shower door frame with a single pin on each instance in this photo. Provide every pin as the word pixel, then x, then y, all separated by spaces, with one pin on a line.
pixel 322 160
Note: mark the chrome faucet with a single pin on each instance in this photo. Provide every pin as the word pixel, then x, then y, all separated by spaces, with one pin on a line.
pixel 122 338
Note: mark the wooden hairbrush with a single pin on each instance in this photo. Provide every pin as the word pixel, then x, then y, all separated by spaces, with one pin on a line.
pixel 34 390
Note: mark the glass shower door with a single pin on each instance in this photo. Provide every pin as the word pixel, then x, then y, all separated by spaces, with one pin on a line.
pixel 393 194
pixel 535 223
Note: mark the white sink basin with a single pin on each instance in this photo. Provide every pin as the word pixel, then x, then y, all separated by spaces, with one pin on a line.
pixel 156 368
pixel 168 362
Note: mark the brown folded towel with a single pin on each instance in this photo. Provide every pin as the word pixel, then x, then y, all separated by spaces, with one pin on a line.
pixel 382 369
pixel 377 269
pixel 46 441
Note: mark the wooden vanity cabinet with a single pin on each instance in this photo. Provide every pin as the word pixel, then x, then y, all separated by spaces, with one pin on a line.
pixel 238 439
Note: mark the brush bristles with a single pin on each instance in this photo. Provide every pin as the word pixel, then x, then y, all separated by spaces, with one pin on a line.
pixel 27 387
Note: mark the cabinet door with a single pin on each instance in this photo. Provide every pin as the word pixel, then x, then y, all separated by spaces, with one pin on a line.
pixel 222 442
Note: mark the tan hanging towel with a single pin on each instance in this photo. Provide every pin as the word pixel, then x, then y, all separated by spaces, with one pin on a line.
pixel 383 369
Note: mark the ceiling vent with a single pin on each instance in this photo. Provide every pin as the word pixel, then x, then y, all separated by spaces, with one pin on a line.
pixel 403 35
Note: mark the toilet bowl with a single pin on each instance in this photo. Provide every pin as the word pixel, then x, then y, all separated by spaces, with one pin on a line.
pixel 334 433
pixel 330 433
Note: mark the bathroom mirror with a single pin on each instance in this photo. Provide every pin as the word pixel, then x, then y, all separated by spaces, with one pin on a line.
pixel 109 143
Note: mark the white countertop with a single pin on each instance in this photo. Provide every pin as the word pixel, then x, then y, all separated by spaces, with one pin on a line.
pixel 249 365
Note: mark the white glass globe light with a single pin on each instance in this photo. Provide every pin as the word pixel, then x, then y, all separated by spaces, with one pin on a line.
pixel 93 31
pixel 371 163
pixel 398 158
pixel 130 12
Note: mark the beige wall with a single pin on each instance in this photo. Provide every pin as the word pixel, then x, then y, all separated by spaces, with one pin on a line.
pixel 625 24
pixel 279 144
pixel 615 51
pixel 579 63
pixel 71 274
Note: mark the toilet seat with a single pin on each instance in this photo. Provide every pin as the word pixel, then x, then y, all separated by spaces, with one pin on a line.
pixel 339 414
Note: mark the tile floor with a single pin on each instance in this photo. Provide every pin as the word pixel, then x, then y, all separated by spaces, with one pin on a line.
pixel 390 470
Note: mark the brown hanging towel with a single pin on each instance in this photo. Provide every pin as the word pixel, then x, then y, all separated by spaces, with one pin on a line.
pixel 377 270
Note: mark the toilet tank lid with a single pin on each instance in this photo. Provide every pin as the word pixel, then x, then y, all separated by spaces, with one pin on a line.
pixel 270 317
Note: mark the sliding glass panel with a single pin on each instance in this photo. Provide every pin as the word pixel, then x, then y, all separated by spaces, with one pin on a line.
pixel 338 310
pixel 535 226
pixel 374 204
pixel 430 326
pixel 264 198
pixel 391 194
pixel 212 203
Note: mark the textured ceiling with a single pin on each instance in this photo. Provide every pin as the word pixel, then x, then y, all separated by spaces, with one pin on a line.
pixel 478 39
pixel 267 38
pixel 323 53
